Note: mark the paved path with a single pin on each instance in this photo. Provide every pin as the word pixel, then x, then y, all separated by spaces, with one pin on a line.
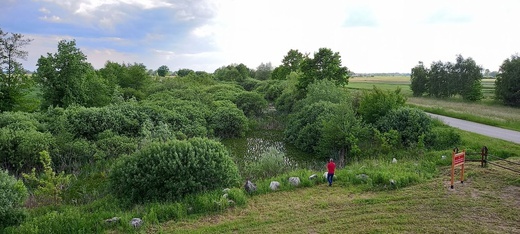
pixel 486 130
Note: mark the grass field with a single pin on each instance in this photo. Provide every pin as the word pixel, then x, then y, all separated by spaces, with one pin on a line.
pixel 487 202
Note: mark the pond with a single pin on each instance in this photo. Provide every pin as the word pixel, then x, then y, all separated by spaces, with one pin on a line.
pixel 250 148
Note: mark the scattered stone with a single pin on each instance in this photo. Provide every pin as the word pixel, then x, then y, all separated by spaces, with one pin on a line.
pixel 226 190
pixel 249 186
pixel 294 181
pixel 274 185
pixel 313 176
pixel 443 156
pixel 363 177
pixel 394 160
pixel 136 222
pixel 113 220
pixel 325 174
pixel 392 182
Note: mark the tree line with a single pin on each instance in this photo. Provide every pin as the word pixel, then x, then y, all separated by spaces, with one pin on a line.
pixel 464 78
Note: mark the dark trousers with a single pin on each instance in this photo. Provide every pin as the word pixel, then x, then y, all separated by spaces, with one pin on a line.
pixel 329 178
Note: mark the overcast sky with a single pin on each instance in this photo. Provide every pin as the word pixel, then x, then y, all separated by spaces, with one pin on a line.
pixel 371 36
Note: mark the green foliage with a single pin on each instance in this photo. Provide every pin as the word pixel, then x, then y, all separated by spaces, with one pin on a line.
pixel 184 72
pixel 507 84
pixel 13 78
pixel 12 196
pixel 163 70
pixel 269 164
pixel 66 77
pixel 409 122
pixel 227 121
pixel 251 103
pixel 419 80
pixel 324 90
pixel 325 65
pixel 263 71
pixel 377 103
pixel 47 188
pixel 272 89
pixel 467 76
pixel 233 72
pixel 249 84
pixel 19 148
pixel 172 170
pixel 441 138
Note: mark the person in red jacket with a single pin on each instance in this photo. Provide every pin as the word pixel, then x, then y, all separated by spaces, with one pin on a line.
pixel 331 166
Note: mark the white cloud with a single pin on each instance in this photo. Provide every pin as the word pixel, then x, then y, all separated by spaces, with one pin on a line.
pixel 53 18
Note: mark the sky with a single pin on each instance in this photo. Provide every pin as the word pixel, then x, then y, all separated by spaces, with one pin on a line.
pixel 372 36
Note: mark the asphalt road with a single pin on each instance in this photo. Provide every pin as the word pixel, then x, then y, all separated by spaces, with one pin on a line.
pixel 486 130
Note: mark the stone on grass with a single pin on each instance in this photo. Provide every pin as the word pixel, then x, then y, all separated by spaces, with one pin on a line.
pixel 274 185
pixel 313 176
pixel 443 156
pixel 325 174
pixel 363 177
pixel 394 160
pixel 113 220
pixel 249 186
pixel 136 222
pixel 294 181
pixel 392 182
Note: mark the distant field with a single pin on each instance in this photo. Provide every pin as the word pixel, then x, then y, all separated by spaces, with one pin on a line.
pixel 382 82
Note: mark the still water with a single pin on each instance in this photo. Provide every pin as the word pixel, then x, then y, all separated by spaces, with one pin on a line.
pixel 250 148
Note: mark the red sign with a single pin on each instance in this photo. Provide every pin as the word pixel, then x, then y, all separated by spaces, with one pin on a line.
pixel 458 159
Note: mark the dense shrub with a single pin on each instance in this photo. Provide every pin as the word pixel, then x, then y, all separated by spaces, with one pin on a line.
pixel 442 138
pixel 269 164
pixel 251 103
pixel 172 170
pixel 19 121
pixel 19 149
pixel 227 121
pixel 409 122
pixel 12 195
pixel 272 89
pixel 377 103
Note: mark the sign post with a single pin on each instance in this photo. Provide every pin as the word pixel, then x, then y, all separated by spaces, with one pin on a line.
pixel 457 159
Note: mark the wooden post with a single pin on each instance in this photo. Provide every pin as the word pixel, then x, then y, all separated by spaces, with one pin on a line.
pixel 484 153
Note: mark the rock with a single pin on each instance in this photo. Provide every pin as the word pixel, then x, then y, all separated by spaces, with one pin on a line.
pixel 394 160
pixel 136 222
pixel 113 220
pixel 226 190
pixel 363 177
pixel 249 186
pixel 294 181
pixel 313 176
pixel 274 185
pixel 325 174
pixel 443 156
pixel 392 182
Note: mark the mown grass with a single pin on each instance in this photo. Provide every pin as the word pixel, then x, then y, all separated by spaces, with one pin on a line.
pixel 487 202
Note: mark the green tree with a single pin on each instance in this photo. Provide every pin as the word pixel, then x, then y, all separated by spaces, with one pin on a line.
pixel 163 70
pixel 466 77
pixel 290 63
pixel 184 72
pixel 132 79
pixel 419 79
pixel 13 78
pixel 263 71
pixel 377 103
pixel 507 84
pixel 324 65
pixel 439 80
pixel 66 77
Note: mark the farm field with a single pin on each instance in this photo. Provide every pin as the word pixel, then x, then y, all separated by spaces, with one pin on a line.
pixel 487 202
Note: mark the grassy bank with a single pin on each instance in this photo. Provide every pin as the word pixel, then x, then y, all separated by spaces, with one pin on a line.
pixel 488 202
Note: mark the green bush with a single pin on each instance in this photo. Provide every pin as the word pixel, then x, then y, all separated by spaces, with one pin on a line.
pixel 409 122
pixel 251 103
pixel 227 121
pixel 377 103
pixel 12 196
pixel 269 164
pixel 442 138
pixel 172 170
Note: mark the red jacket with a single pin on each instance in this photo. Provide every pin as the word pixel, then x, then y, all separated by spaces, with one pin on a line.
pixel 331 166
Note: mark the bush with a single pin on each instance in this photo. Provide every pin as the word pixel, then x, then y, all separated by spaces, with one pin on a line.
pixel 172 170
pixel 251 103
pixel 442 138
pixel 376 104
pixel 409 122
pixel 227 121
pixel 12 195
pixel 270 163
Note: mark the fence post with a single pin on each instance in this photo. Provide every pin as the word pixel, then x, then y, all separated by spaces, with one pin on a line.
pixel 484 154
